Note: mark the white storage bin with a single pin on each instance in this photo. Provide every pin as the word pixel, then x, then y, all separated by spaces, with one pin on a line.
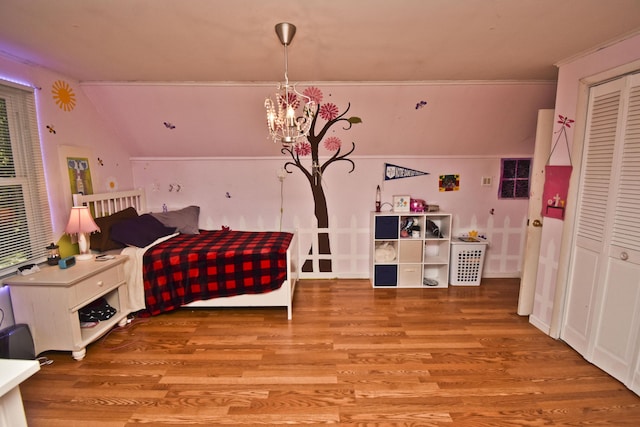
pixel 467 259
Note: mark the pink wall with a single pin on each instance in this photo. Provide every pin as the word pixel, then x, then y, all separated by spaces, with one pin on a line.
pixel 464 129
pixel 255 198
pixel 469 119
pixel 220 146
pixel 574 78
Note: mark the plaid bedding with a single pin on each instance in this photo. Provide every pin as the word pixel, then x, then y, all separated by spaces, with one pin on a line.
pixel 191 267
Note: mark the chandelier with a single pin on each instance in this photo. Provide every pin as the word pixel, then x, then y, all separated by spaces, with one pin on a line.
pixel 289 117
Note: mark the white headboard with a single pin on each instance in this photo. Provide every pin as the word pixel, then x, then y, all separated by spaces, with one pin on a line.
pixel 104 204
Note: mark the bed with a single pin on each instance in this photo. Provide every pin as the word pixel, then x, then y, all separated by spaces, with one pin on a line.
pixel 190 267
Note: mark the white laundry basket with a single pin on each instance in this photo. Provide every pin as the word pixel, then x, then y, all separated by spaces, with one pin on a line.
pixel 467 259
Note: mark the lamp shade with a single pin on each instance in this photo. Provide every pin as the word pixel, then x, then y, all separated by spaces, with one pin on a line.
pixel 80 221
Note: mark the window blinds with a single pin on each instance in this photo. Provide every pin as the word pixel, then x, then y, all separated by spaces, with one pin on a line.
pixel 25 223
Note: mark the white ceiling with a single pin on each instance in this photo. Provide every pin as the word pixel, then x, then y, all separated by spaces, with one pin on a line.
pixel 337 40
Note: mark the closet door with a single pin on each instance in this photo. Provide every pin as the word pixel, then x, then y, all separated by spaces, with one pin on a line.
pixel 618 321
pixel 602 316
pixel 590 234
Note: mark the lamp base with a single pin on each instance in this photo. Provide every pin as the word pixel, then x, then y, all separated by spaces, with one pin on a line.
pixel 83 245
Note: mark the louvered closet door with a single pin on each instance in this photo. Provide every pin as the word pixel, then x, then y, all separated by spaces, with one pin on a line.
pixel 591 224
pixel 602 317
pixel 618 324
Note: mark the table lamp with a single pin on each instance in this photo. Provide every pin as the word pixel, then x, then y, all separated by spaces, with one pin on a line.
pixel 81 223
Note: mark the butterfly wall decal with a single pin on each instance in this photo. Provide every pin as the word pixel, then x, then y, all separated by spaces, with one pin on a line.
pixel 168 125
pixel 421 104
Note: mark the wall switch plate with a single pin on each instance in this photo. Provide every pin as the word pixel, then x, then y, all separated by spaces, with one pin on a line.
pixel 486 181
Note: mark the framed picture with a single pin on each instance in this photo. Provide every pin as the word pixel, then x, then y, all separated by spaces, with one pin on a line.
pixel 449 182
pixel 401 203
pixel 76 167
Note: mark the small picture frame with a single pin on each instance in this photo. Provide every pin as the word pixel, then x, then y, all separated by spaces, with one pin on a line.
pixel 401 203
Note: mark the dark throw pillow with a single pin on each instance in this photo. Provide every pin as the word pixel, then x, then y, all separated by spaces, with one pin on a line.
pixel 102 241
pixel 140 231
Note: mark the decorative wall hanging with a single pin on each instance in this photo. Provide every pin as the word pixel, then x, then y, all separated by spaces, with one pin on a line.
pixel 556 182
pixel 556 187
pixel 79 175
pixel 63 95
pixel 330 114
pixel 398 172
pixel 78 168
pixel 449 182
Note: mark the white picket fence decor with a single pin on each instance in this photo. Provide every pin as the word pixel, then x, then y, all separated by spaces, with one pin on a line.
pixel 349 250
pixel 351 247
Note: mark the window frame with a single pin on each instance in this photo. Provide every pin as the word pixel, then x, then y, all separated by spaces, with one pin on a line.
pixel 31 204
pixel 515 179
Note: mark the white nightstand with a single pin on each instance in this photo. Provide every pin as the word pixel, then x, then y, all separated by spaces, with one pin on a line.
pixel 49 300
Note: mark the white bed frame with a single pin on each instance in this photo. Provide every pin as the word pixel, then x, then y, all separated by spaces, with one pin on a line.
pixel 109 203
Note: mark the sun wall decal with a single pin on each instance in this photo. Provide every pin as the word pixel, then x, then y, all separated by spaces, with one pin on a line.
pixel 63 95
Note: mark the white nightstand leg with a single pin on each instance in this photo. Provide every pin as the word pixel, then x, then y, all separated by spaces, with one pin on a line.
pixel 79 354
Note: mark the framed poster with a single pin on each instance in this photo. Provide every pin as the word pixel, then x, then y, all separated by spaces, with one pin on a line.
pixel 76 167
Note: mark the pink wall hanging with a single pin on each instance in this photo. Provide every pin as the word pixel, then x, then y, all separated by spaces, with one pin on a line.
pixel 556 183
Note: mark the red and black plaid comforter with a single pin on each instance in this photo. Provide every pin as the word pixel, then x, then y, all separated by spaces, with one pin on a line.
pixel 191 267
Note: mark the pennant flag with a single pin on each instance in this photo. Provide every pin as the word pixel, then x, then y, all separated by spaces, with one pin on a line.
pixel 397 172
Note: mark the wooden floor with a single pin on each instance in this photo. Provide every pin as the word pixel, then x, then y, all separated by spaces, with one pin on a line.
pixel 351 355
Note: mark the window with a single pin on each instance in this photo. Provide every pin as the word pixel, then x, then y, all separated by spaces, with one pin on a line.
pixel 514 179
pixel 25 223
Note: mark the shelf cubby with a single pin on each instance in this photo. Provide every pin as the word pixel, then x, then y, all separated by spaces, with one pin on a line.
pixel 410 249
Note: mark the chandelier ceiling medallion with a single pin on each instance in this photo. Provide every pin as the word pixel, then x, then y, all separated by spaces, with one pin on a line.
pixel 289 117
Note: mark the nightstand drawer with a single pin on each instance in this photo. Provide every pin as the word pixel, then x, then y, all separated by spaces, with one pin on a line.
pixel 102 282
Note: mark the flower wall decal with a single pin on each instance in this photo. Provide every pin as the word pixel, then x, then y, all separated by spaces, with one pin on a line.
pixel 332 143
pixel 314 93
pixel 112 184
pixel 328 111
pixel 303 149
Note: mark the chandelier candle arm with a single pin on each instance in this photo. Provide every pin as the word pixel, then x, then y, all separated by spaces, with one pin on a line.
pixel 289 122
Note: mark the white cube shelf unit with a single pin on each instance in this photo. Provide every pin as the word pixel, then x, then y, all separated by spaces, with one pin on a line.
pixel 410 249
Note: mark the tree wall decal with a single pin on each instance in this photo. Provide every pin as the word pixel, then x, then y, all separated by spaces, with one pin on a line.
pixel 331 115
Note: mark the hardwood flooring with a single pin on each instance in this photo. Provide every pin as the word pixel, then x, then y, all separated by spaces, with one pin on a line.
pixel 352 355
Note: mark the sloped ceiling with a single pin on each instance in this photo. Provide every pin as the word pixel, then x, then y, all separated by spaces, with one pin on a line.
pixel 337 40
pixel 143 62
